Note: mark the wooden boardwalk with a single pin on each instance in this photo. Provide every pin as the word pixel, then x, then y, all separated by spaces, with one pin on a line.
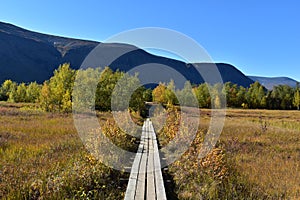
pixel 146 181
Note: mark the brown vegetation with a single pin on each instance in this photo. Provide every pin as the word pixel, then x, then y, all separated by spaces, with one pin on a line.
pixel 257 157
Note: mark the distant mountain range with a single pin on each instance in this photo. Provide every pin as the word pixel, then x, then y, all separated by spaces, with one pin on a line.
pixel 270 82
pixel 27 56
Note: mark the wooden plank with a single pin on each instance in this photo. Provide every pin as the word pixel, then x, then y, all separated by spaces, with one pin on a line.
pixel 146 181
pixel 159 182
pixel 150 170
pixel 141 182
pixel 131 187
pixel 132 183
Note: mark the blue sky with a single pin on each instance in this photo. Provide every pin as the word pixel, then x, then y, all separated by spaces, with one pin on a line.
pixel 258 37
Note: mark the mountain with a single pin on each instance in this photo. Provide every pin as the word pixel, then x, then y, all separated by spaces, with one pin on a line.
pixel 27 56
pixel 269 83
pixel 138 57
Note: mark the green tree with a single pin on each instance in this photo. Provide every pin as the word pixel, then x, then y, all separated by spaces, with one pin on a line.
pixel 33 92
pixel 264 102
pixel 261 97
pixel 6 88
pixel 85 89
pixel 282 97
pixel 45 97
pixel 147 95
pixel 66 102
pixel 203 95
pixel 231 90
pixel 106 85
pixel 59 84
pixel 255 95
pixel 138 99
pixel 55 91
pixel 12 95
pixel 296 100
pixel 127 88
pixel 21 93
pixel 241 97
pixel 186 96
pixel 170 93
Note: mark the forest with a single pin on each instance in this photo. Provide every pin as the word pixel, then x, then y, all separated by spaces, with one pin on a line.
pixel 56 94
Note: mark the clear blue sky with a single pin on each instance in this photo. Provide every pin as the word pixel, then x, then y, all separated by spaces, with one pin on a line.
pixel 258 37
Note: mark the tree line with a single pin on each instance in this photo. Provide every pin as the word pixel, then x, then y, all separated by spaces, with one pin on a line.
pixel 55 94
pixel 255 97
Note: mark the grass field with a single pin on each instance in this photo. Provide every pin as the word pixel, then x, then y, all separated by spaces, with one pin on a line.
pixel 265 145
pixel 41 155
pixel 260 158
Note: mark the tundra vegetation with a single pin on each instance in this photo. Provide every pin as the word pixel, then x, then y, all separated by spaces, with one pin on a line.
pixel 42 156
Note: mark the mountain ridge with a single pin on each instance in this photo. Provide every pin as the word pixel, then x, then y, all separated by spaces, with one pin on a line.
pixel 27 56
pixel 270 82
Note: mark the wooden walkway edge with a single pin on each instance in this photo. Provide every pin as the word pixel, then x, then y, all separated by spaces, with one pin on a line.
pixel 146 181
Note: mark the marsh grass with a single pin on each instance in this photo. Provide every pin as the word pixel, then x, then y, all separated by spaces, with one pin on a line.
pixel 42 157
pixel 268 158
pixel 258 156
pixel 268 155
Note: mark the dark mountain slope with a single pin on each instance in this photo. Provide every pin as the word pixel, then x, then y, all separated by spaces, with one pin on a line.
pixel 139 57
pixel 270 82
pixel 229 74
pixel 27 56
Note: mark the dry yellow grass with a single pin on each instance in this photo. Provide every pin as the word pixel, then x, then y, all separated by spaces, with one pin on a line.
pixel 261 160
pixel 265 145
pixel 42 155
